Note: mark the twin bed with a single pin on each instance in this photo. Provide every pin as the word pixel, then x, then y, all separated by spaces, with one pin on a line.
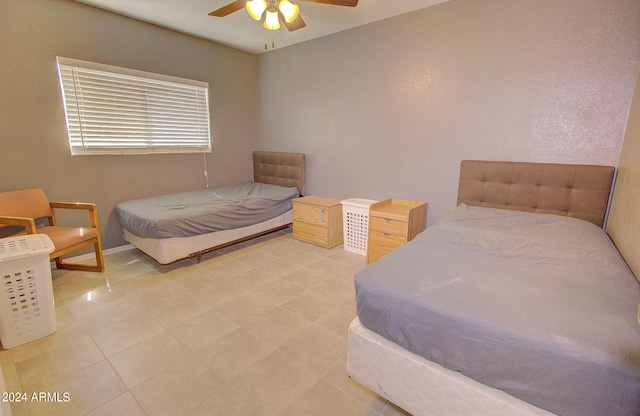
pixel 516 303
pixel 188 224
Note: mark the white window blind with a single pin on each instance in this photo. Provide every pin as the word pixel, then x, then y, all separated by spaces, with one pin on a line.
pixel 113 110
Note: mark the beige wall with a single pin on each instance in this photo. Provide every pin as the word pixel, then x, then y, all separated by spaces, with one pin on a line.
pixel 624 216
pixel 34 150
pixel 391 108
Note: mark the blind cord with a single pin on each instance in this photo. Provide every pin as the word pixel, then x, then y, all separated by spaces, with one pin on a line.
pixel 206 172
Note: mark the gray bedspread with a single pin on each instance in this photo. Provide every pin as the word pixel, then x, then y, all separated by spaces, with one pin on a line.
pixel 198 212
pixel 540 306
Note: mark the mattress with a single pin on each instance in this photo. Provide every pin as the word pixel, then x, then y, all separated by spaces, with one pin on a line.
pixel 193 213
pixel 539 306
pixel 168 250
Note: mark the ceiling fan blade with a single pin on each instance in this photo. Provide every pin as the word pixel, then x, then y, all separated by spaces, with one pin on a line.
pixel 298 23
pixel 228 9
pixel 348 3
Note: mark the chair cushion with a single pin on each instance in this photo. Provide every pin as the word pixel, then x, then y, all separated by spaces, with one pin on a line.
pixel 64 237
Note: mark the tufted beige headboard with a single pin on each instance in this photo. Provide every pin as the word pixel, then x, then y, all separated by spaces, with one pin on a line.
pixel 580 191
pixel 279 168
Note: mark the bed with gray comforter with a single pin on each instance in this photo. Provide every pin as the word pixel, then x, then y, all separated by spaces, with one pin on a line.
pixel 540 306
pixel 199 212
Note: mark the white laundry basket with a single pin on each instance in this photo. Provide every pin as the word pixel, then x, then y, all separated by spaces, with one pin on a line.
pixel 27 308
pixel 355 222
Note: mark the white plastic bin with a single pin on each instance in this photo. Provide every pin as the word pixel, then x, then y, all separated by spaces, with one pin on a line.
pixel 355 223
pixel 27 308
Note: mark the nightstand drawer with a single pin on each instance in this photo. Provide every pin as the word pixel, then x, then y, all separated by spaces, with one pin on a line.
pixel 311 233
pixel 311 214
pixel 382 243
pixel 388 225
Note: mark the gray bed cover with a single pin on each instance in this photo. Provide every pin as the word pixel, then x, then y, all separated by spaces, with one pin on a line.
pixel 198 212
pixel 540 306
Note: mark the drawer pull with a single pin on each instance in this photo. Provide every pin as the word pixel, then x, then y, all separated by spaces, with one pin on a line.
pixel 387 219
pixel 322 215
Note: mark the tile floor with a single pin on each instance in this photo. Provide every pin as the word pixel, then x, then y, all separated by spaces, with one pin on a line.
pixel 256 329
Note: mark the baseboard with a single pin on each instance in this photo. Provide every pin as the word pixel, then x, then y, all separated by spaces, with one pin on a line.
pixel 92 256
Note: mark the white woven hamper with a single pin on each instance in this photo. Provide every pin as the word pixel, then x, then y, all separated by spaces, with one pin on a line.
pixel 355 222
pixel 27 308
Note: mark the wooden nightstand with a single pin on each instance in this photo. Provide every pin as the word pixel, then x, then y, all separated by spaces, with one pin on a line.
pixel 317 220
pixel 393 222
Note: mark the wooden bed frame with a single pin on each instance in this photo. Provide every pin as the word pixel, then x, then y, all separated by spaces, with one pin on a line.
pixel 422 387
pixel 277 168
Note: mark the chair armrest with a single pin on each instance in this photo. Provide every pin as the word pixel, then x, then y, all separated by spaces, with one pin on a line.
pixel 28 223
pixel 93 210
pixel 73 205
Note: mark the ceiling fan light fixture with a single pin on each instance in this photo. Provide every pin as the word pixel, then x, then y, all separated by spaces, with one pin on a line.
pixel 289 10
pixel 256 8
pixel 271 21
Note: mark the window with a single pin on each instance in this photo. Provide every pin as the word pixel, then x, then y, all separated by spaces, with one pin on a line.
pixel 112 110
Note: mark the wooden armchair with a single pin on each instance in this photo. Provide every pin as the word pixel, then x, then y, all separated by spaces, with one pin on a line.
pixel 24 207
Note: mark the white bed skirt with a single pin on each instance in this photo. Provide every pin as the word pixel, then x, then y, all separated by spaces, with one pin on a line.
pixel 168 250
pixel 422 387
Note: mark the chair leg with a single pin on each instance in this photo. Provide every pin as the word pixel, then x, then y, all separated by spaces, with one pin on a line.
pixel 99 267
pixel 97 247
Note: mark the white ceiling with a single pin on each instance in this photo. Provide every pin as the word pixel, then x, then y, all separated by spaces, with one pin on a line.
pixel 240 31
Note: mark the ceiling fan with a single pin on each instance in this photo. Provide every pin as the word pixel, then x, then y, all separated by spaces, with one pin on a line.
pixel 276 11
